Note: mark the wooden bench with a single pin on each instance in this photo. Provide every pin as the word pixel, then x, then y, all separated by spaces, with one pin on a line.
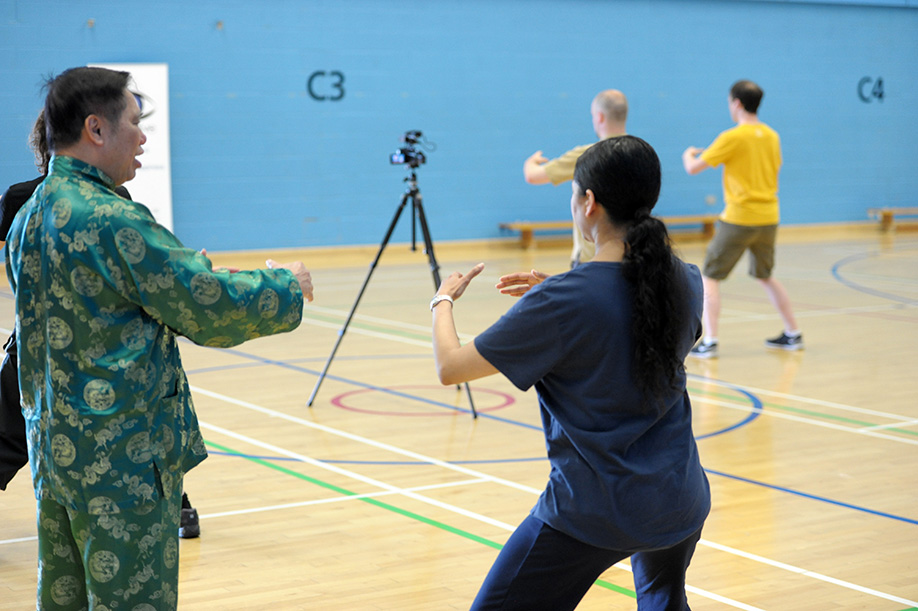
pixel 527 228
pixel 887 214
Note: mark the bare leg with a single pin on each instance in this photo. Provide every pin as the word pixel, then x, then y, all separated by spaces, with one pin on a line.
pixel 779 299
pixel 711 315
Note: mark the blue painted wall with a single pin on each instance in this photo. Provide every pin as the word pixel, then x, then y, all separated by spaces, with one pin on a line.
pixel 259 163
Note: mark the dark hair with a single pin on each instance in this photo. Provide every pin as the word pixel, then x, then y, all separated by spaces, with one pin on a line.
pixel 624 175
pixel 748 93
pixel 78 93
pixel 38 142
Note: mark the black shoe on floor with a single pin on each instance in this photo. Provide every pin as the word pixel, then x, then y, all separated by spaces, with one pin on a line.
pixel 704 350
pixel 785 342
pixel 190 526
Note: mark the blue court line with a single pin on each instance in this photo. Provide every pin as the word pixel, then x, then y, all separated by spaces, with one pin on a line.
pixel 814 497
pixel 756 402
pixel 313 359
pixel 836 272
pixel 757 407
pixel 382 389
pixel 739 478
pixel 397 463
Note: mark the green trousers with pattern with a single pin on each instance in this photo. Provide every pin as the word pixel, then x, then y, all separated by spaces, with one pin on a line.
pixel 109 561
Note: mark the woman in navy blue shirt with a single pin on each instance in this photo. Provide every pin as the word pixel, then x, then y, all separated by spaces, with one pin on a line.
pixel 604 345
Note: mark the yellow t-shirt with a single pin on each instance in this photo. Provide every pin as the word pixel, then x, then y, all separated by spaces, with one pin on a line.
pixel 751 156
pixel 561 169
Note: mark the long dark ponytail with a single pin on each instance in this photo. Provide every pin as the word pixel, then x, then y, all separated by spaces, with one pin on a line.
pixel 624 175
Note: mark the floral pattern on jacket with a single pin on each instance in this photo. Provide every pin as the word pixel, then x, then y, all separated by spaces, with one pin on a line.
pixel 102 291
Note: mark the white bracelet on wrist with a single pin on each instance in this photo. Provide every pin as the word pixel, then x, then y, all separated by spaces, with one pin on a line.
pixel 438 298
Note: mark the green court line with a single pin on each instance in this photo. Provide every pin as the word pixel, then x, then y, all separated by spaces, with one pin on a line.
pixel 785 408
pixel 720 395
pixel 403 512
pixel 806 412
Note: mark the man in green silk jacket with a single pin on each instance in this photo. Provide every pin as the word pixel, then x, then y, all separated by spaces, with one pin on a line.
pixel 101 293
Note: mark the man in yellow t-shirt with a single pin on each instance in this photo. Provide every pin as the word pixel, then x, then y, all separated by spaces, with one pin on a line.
pixel 609 111
pixel 751 156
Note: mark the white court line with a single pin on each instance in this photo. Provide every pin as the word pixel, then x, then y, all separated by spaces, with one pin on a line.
pixel 336 499
pixel 365 441
pixel 819 402
pixel 737 315
pixel 420 328
pixel 405 492
pixel 20 540
pixel 377 334
pixel 353 475
pixel 373 319
pixel 811 421
pixel 382 321
pixel 704 593
pixel 479 475
pixel 806 573
pixel 340 498
pixel 904 423
pixel 864 411
pixel 721 599
pixel 733 314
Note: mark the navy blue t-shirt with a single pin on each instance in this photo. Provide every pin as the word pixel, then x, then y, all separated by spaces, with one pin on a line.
pixel 625 472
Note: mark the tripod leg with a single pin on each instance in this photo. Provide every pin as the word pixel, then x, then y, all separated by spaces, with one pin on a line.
pixel 363 288
pixel 414 234
pixel 417 204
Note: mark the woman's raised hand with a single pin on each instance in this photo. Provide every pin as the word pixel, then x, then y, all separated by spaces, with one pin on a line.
pixel 519 283
pixel 456 283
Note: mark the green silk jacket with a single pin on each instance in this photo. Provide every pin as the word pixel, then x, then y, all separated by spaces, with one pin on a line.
pixel 102 291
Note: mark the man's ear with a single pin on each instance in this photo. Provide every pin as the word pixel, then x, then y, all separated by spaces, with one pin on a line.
pixel 92 126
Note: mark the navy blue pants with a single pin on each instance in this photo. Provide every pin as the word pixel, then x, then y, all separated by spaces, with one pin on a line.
pixel 14 450
pixel 542 568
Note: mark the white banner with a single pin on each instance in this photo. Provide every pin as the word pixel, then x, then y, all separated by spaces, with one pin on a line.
pixel 152 186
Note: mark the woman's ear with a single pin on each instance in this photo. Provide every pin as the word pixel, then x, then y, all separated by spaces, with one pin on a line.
pixel 590 205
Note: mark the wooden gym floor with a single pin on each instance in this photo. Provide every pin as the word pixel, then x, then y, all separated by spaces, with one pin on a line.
pixel 387 494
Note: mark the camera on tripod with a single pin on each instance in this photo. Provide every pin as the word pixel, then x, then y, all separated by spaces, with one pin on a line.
pixel 409 154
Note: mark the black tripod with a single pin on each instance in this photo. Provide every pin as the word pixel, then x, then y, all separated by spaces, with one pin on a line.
pixel 412 194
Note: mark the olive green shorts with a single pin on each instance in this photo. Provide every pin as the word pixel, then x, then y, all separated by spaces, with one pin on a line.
pixel 731 241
